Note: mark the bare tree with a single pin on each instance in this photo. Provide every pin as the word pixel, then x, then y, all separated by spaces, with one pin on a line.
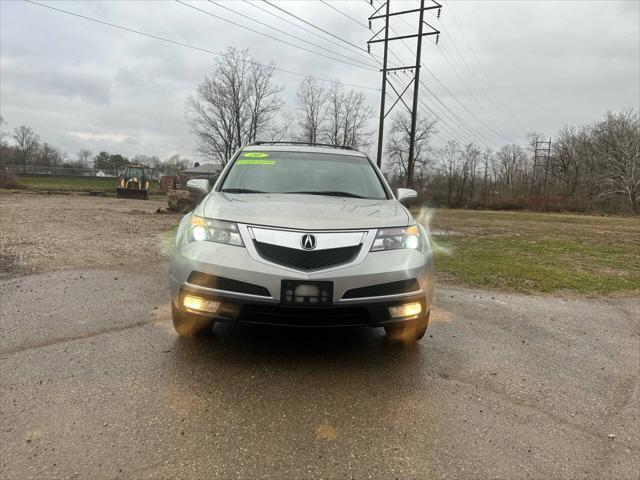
pixel 488 159
pixel 233 106
pixel 566 163
pixel 84 157
pixel 347 117
pixel 449 165
pixel 398 145
pixel 310 100
pixel 27 144
pixel 617 144
pixel 510 166
pixel 51 156
pixel 264 103
pixel 469 162
pixel 174 164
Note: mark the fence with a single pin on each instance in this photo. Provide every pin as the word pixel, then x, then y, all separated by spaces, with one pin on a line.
pixel 152 173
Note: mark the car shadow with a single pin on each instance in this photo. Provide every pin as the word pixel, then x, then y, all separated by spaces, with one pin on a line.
pixel 249 345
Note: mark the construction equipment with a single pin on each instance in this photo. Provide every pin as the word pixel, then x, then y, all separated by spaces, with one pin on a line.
pixel 133 183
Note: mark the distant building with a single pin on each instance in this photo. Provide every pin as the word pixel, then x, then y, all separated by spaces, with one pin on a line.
pixel 207 170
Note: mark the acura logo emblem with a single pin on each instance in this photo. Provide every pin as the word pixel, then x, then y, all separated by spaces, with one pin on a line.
pixel 308 242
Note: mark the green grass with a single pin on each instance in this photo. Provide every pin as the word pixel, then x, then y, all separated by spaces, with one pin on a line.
pixel 532 252
pixel 74 184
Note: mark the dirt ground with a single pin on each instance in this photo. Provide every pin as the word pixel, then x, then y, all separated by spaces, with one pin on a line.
pixel 94 382
pixel 40 233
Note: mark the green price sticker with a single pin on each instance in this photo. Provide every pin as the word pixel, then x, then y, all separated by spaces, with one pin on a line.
pixel 255 155
pixel 256 162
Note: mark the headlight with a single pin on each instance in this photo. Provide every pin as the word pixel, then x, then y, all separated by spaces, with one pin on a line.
pixel 207 230
pixel 396 238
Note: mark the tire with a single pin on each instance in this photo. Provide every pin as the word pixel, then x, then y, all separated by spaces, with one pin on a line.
pixel 189 325
pixel 409 331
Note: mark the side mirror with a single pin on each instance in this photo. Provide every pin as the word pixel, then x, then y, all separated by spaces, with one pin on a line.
pixel 406 195
pixel 198 186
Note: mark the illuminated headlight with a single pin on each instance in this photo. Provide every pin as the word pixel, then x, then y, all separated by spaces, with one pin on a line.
pixel 396 238
pixel 200 304
pixel 207 230
pixel 406 310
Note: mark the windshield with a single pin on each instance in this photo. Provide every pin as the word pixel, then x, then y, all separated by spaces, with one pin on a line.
pixel 133 172
pixel 303 172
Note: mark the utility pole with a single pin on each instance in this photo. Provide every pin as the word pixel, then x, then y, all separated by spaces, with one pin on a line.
pixel 383 94
pixel 541 155
pixel 414 68
pixel 416 91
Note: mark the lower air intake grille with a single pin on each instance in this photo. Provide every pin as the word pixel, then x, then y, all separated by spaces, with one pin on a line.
pixel 305 317
pixel 226 284
pixel 382 289
pixel 306 259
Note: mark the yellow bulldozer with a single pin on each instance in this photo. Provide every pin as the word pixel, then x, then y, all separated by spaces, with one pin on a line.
pixel 133 183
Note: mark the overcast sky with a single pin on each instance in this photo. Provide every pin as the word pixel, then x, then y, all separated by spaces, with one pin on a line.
pixel 533 66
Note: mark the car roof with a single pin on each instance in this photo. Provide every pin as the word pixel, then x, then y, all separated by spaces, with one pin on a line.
pixel 303 148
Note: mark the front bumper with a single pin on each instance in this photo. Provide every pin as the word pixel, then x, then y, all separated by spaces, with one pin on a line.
pixel 235 263
pixel 252 311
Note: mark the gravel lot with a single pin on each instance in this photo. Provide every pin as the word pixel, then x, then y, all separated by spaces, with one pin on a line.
pixel 40 233
pixel 94 383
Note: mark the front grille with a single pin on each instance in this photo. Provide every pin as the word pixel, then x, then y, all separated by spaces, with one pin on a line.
pixel 391 288
pixel 226 284
pixel 306 259
pixel 305 317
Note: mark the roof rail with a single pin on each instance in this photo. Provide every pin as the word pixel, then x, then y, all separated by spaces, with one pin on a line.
pixel 311 144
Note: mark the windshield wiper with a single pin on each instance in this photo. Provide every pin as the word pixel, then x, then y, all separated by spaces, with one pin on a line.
pixel 240 190
pixel 330 193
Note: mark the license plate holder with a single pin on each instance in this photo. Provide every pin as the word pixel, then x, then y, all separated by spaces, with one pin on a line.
pixel 304 293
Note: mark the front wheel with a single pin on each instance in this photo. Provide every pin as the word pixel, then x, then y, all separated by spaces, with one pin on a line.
pixel 409 331
pixel 189 325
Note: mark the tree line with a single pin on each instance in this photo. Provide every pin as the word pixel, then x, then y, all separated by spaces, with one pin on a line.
pixel 27 151
pixel 592 167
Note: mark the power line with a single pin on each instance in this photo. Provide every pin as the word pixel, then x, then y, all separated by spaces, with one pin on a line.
pixel 360 51
pixel 471 130
pixel 468 131
pixel 469 91
pixel 272 37
pixel 312 25
pixel 200 49
pixel 451 127
pixel 472 76
pixel 455 98
pixel 345 14
pixel 415 67
pixel 463 131
pixel 465 86
pixel 290 34
pixel 481 66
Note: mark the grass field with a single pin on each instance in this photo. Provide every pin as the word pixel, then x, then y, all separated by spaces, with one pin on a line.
pixel 537 252
pixel 74 184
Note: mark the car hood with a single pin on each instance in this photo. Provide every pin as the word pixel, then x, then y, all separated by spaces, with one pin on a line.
pixel 306 212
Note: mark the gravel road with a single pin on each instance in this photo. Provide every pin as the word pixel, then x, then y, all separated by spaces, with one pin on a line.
pixel 95 383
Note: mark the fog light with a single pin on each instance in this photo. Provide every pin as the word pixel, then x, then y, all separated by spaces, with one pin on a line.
pixel 200 304
pixel 406 310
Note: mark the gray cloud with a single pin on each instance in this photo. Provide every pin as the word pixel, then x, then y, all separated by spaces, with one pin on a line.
pixel 80 84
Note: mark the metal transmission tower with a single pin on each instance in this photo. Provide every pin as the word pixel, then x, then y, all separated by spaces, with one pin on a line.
pixel 415 81
pixel 541 156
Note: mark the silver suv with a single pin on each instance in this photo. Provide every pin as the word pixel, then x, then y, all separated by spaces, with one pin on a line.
pixel 301 235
